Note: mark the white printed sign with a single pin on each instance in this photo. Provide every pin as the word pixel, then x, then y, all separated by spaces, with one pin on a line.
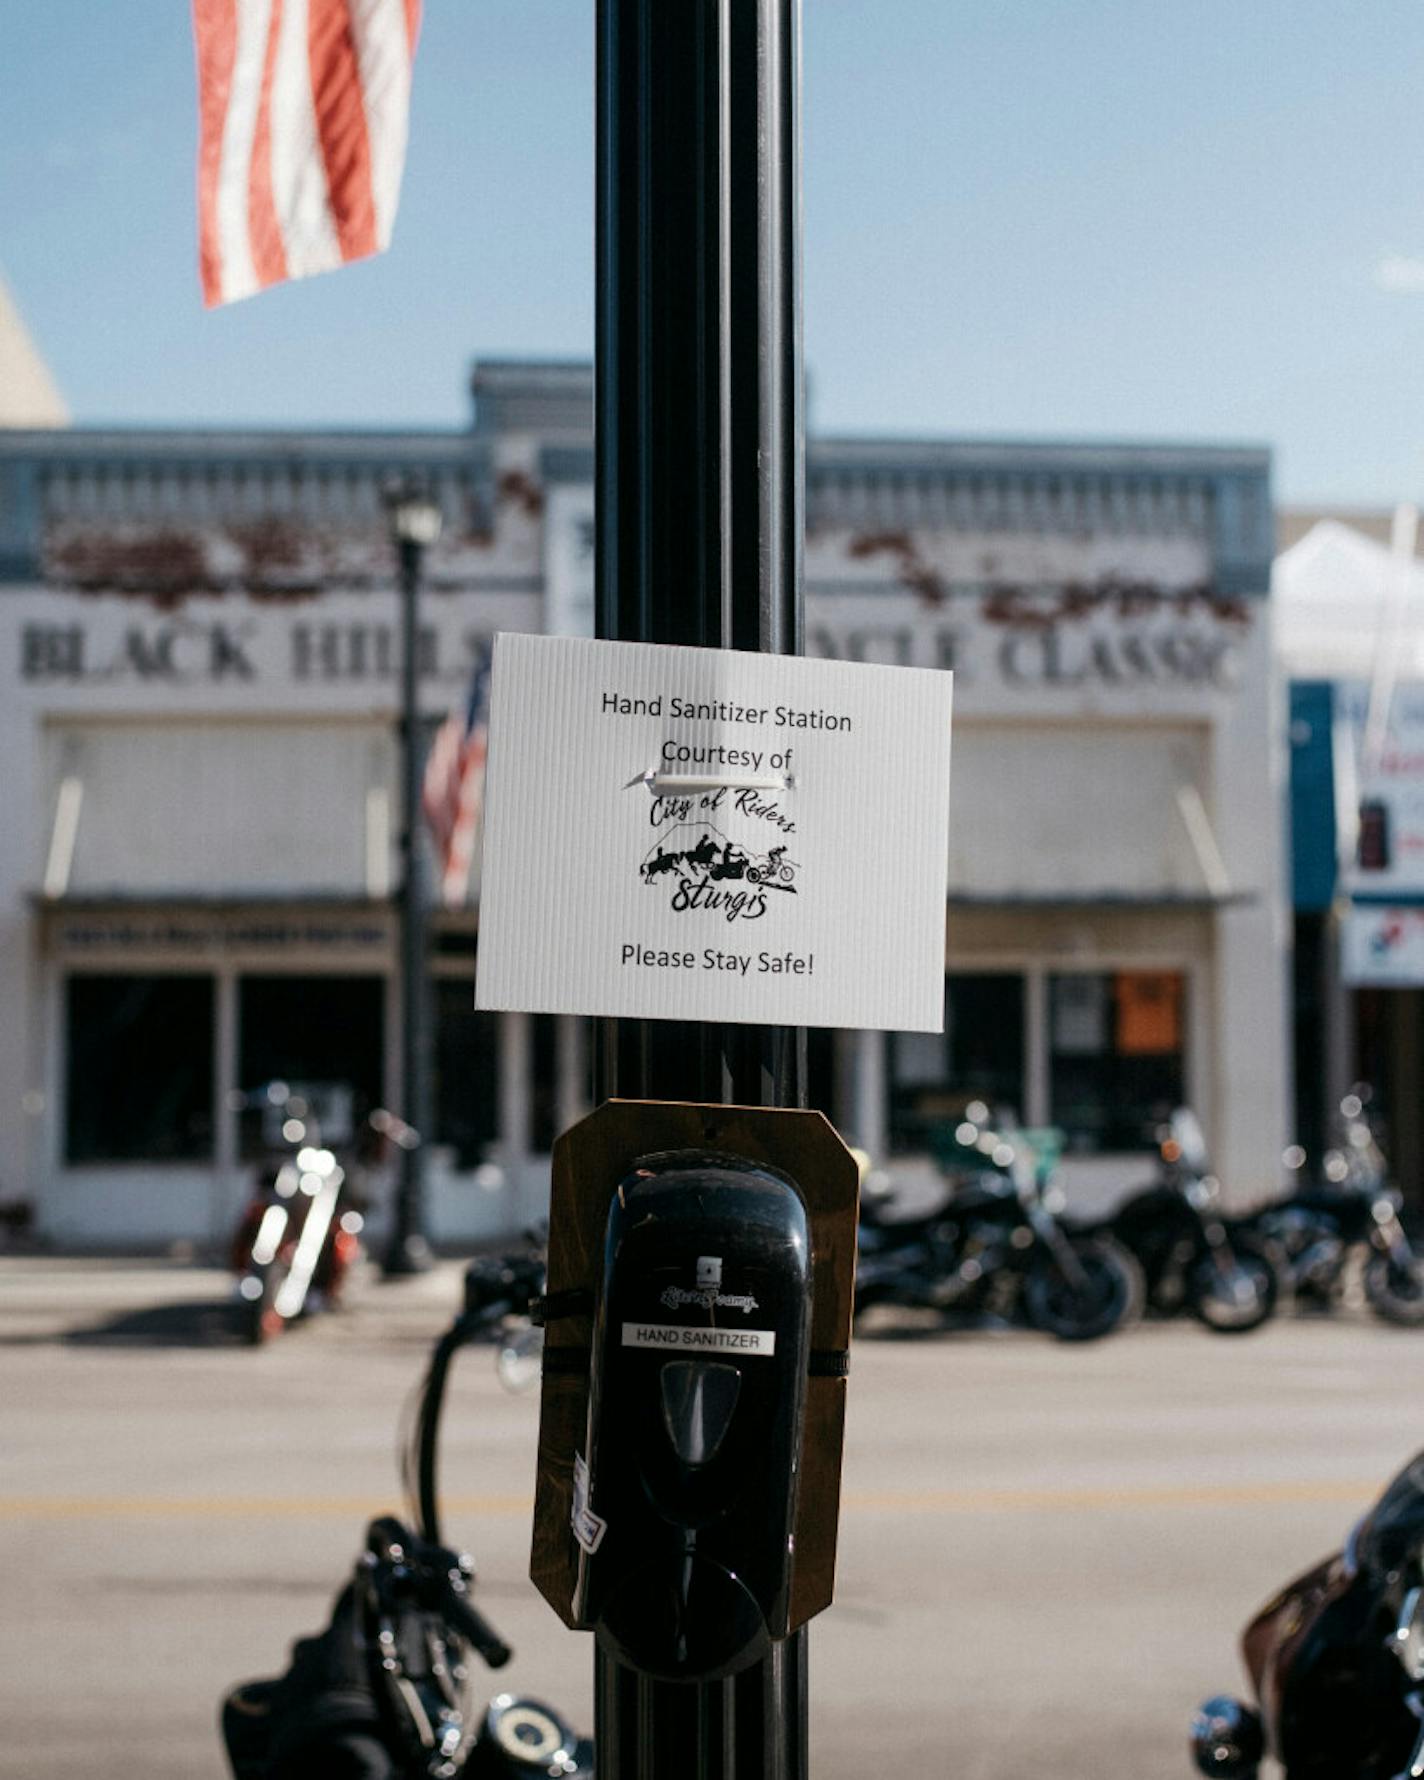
pixel 1383 946
pixel 684 1337
pixel 700 834
pixel 1389 855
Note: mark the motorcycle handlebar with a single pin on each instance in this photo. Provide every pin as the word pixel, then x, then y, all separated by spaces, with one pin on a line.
pixel 472 1625
pixel 439 1585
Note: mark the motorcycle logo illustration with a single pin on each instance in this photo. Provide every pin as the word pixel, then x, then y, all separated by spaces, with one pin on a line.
pixel 700 855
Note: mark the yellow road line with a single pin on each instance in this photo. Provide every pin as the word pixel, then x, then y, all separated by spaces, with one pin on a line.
pixel 1108 1499
pixel 235 1507
pixel 952 1502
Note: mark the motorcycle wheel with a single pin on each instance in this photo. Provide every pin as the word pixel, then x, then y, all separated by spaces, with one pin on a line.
pixel 1396 1293
pixel 258 1321
pixel 1110 1293
pixel 1260 1288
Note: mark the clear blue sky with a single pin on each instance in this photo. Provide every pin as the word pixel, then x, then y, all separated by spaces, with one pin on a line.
pixel 1125 218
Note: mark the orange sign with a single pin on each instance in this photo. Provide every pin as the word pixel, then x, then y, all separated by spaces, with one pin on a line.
pixel 1149 1012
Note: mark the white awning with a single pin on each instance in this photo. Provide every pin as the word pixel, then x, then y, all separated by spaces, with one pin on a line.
pixel 261 808
pixel 1082 812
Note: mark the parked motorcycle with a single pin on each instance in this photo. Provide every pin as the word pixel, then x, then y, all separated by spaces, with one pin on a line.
pixel 299 1235
pixel 1336 1661
pixel 994 1246
pixel 1350 1216
pixel 1193 1257
pixel 384 1692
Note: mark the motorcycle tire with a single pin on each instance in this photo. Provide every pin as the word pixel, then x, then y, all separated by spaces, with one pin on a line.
pixel 866 1298
pixel 1255 1263
pixel 1396 1293
pixel 257 1317
pixel 1111 1295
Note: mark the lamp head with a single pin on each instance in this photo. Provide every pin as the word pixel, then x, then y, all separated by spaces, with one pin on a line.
pixel 413 512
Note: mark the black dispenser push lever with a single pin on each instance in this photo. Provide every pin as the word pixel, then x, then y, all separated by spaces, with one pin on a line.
pixel 685 1513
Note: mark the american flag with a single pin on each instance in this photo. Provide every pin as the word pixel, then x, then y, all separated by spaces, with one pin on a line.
pixel 453 792
pixel 303 106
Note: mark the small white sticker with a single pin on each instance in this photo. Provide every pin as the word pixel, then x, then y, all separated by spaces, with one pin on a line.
pixel 678 1337
pixel 588 1528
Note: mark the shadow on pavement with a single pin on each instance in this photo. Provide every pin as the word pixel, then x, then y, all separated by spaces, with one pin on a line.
pixel 201 1323
pixel 907 1327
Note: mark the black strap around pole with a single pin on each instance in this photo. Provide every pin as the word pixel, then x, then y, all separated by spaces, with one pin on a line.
pixel 700 484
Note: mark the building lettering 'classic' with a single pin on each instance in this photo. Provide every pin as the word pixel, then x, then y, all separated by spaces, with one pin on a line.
pixel 180 653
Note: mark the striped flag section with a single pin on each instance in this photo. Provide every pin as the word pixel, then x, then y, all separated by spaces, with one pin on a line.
pixel 302 107
pixel 452 795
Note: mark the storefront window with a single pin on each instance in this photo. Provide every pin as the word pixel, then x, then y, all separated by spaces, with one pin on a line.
pixel 1116 1056
pixel 466 1089
pixel 312 1032
pixel 979 1056
pixel 139 1069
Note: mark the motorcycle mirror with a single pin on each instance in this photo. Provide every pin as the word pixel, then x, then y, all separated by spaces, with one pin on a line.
pixel 1227 1740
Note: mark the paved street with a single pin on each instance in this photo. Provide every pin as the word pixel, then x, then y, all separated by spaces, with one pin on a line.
pixel 1046 1555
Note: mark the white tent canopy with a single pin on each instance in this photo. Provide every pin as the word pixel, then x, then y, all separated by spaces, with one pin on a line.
pixel 28 396
pixel 1332 595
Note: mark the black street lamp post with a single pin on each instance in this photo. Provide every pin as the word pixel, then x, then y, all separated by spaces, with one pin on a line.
pixel 415 525
pixel 699 467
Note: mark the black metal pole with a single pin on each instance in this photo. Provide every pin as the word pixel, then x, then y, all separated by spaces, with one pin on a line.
pixel 408 1251
pixel 700 478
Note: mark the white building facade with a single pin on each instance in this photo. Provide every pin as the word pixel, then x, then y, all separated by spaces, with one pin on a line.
pixel 198 633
